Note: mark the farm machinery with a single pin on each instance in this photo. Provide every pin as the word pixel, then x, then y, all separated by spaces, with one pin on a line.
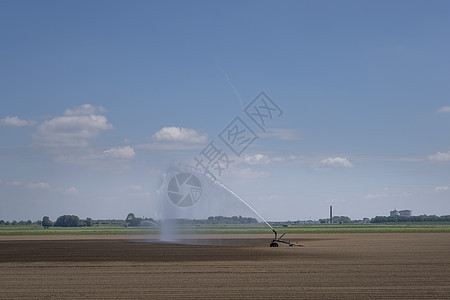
pixel 277 240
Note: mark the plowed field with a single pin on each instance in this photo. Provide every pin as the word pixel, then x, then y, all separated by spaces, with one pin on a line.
pixel 330 266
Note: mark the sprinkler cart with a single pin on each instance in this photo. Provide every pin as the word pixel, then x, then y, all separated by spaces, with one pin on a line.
pixel 277 240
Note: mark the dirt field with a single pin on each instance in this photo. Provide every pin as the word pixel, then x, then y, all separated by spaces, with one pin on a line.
pixel 330 266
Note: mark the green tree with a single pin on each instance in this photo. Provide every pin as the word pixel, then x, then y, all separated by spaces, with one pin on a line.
pixel 67 221
pixel 89 222
pixel 130 217
pixel 341 219
pixel 131 220
pixel 46 223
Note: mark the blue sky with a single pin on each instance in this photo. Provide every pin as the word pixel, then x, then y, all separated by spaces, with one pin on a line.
pixel 98 97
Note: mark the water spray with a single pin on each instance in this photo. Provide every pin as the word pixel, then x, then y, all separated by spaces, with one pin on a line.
pixel 276 239
pixel 219 183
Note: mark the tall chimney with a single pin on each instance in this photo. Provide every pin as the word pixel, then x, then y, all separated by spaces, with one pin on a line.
pixel 331 214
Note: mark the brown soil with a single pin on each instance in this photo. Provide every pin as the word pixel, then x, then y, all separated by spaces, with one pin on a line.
pixel 330 266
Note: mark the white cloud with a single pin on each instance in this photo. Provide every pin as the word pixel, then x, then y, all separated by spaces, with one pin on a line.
pixel 286 134
pixel 444 109
pixel 38 186
pixel 438 157
pixel 257 159
pixel 179 134
pixel 71 191
pixel 126 152
pixel 262 159
pixel 16 122
pixel 175 138
pixel 441 189
pixel 96 158
pixel 33 186
pixel 72 130
pixel 337 162
pixel 14 183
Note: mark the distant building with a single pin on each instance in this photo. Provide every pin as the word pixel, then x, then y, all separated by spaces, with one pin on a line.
pixel 405 213
pixel 394 213
pixel 401 213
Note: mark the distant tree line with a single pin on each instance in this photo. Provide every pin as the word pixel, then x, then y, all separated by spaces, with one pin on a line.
pixel 29 222
pixel 64 221
pixel 337 220
pixel 67 221
pixel 423 218
pixel 75 221
pixel 131 220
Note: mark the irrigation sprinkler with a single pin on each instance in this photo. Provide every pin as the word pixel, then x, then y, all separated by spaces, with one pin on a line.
pixel 277 240
pixel 188 173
